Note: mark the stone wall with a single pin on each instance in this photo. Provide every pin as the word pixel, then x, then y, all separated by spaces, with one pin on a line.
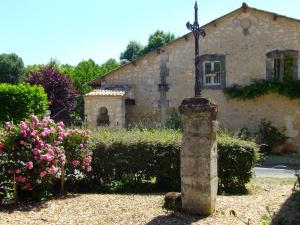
pixel 245 55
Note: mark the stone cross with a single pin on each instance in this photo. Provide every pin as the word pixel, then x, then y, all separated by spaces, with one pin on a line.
pixel 199 181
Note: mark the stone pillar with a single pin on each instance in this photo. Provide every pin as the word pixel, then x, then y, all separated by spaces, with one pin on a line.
pixel 199 181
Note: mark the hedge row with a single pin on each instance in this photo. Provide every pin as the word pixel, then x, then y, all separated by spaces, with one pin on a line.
pixel 18 102
pixel 149 160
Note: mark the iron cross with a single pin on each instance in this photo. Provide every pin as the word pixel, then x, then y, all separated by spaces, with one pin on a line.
pixel 197 31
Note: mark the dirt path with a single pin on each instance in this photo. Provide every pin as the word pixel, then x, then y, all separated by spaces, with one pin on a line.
pixel 146 209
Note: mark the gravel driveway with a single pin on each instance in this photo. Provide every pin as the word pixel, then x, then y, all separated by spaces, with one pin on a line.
pixel 130 209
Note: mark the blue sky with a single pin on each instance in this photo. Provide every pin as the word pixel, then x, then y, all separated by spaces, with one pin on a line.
pixel 74 30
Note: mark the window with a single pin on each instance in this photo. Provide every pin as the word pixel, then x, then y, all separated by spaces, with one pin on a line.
pixel 103 117
pixel 212 73
pixel 282 65
pixel 276 69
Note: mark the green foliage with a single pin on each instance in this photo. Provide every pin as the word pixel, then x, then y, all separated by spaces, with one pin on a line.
pixel 143 160
pixel 11 67
pixel 244 134
pixel 130 159
pixel 85 72
pixel 18 102
pixel 270 136
pixel 133 50
pixel 257 88
pixel 235 163
pixel 158 39
pixel 174 122
pixel 297 183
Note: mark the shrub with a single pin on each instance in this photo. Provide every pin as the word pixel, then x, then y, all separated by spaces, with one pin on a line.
pixel 127 160
pixel 270 136
pixel 244 134
pixel 35 152
pixel 18 102
pixel 236 159
pixel 59 88
pixel 135 157
pixel 174 122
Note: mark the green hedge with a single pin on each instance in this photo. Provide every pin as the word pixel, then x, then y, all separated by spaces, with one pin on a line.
pixel 149 160
pixel 236 159
pixel 18 102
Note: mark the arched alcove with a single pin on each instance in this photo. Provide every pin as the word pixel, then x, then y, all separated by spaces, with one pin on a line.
pixel 103 117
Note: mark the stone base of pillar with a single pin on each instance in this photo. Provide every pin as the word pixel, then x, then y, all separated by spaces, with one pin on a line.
pixel 199 181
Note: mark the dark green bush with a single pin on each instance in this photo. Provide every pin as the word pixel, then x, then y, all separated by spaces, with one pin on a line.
pixel 235 163
pixel 270 136
pixel 131 159
pixel 149 160
pixel 174 122
pixel 18 102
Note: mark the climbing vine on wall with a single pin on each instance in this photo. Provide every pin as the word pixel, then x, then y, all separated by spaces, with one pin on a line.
pixel 257 88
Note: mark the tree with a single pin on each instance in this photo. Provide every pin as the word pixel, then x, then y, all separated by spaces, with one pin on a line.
pixel 11 66
pixel 108 66
pixel 59 88
pixel 85 72
pixel 158 39
pixel 133 50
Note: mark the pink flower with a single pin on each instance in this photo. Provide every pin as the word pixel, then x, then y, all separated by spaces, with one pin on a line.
pixel 87 160
pixel 81 145
pixel 43 134
pixel 63 157
pixel 47 157
pixel 45 122
pixel 53 170
pixel 27 187
pixel 61 124
pixel 35 151
pixel 21 179
pixel 89 169
pixel 50 151
pixel 23 126
pixel 34 119
pixel 29 165
pixel 75 163
pixel 32 132
pixel 8 126
pixel 22 143
pixel 60 138
pixel 1 148
pixel 18 171
pixel 43 173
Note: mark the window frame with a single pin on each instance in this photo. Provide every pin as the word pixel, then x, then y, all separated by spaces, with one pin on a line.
pixel 281 56
pixel 212 58
pixel 212 74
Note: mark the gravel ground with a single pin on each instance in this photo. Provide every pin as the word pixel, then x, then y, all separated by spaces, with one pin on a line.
pixel 146 209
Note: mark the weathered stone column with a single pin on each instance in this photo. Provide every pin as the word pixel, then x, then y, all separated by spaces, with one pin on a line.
pixel 199 181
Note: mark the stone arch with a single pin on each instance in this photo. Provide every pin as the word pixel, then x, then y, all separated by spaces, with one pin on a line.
pixel 103 117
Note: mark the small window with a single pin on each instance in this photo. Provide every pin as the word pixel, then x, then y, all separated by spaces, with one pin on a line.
pixel 212 73
pixel 103 117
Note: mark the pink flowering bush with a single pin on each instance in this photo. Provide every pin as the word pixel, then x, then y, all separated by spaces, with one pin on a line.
pixel 38 150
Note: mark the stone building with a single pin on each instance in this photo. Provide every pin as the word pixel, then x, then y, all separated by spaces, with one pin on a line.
pixel 245 44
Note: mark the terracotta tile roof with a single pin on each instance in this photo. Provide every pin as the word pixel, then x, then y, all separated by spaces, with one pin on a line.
pixel 107 92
